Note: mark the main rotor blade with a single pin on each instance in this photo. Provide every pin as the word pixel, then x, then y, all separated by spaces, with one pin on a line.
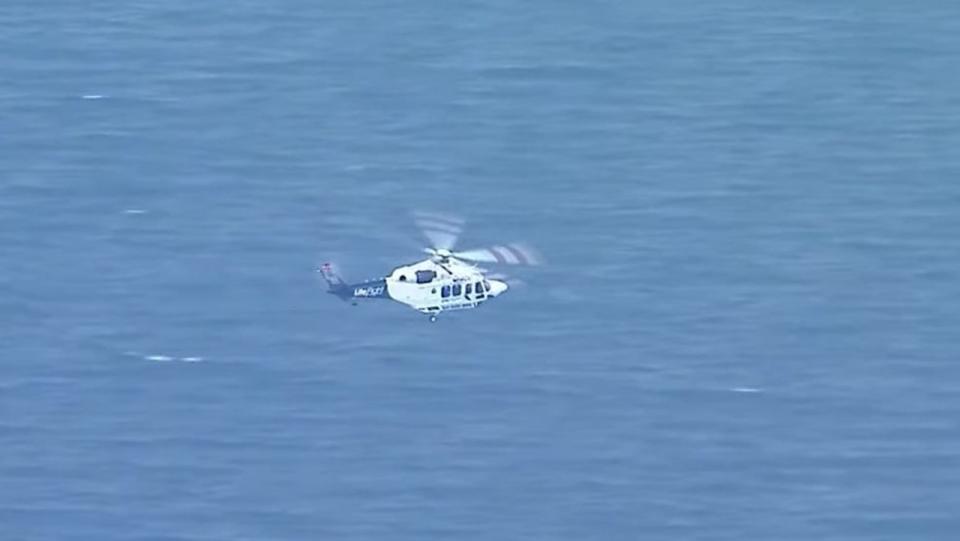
pixel 510 280
pixel 440 229
pixel 511 254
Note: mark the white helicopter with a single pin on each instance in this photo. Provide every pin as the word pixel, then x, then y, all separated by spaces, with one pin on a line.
pixel 447 280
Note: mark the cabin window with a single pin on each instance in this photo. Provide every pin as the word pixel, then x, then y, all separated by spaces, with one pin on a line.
pixel 445 291
pixel 456 290
pixel 469 289
pixel 486 285
pixel 478 287
pixel 403 277
pixel 425 276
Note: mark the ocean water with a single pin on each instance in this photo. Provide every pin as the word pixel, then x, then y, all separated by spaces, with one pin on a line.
pixel 746 329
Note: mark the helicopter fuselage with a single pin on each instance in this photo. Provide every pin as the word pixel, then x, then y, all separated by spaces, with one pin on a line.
pixel 431 286
pixel 437 285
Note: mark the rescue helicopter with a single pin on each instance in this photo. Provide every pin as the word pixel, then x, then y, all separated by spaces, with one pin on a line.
pixel 447 280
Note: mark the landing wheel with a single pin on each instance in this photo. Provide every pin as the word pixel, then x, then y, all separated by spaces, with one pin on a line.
pixel 433 319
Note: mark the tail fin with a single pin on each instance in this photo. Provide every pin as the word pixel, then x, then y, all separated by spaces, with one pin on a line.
pixel 335 283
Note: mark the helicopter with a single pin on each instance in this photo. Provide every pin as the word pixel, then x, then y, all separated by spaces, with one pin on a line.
pixel 447 280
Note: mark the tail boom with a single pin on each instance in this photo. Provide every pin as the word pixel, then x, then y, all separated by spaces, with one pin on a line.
pixel 370 289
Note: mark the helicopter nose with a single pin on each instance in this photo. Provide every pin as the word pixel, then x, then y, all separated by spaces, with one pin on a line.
pixel 497 287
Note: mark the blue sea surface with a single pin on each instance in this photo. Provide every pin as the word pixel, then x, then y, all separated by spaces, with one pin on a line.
pixel 747 327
